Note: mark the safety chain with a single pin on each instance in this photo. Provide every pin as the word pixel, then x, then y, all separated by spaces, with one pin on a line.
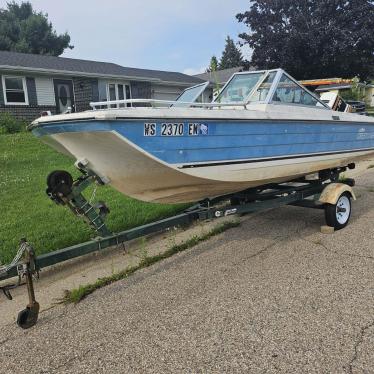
pixel 92 198
pixel 4 269
pixel 26 268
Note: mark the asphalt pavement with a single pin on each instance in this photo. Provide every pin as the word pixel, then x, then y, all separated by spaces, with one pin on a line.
pixel 273 295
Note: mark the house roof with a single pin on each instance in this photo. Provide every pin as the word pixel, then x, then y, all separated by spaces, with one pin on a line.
pixel 220 76
pixel 14 61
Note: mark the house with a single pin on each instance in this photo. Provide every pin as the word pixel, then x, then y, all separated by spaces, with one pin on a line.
pixel 339 86
pixel 31 84
pixel 220 77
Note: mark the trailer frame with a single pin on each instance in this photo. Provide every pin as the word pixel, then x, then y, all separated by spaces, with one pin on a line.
pixel 64 191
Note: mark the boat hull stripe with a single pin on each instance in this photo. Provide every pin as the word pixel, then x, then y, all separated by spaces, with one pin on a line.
pixel 249 161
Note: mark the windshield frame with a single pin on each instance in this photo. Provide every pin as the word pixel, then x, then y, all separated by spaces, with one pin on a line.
pixel 259 83
pixel 275 86
pixel 203 85
pixel 245 101
pixel 272 90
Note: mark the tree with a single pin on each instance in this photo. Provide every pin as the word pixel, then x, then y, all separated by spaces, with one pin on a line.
pixel 213 65
pixel 24 30
pixel 231 56
pixel 355 92
pixel 311 38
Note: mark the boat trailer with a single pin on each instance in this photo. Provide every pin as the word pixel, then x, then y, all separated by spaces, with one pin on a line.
pixel 324 192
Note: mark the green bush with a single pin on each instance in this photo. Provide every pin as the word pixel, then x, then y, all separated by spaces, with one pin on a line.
pixel 10 125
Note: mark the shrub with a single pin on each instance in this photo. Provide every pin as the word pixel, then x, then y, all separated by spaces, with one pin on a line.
pixel 10 125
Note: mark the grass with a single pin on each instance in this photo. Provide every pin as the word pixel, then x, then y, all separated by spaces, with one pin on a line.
pixel 342 178
pixel 78 294
pixel 27 212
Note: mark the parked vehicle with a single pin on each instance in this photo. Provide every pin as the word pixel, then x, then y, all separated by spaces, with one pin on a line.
pixel 358 107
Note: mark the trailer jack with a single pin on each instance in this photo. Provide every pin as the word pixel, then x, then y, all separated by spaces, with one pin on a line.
pixel 28 316
pixel 26 267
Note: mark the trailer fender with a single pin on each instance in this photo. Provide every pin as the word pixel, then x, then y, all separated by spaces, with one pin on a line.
pixel 333 191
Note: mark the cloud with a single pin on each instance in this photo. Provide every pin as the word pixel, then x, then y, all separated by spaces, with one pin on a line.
pixel 194 71
pixel 171 35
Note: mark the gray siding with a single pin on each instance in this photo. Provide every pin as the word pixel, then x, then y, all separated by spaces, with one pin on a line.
pixel 26 112
pixel 141 90
pixel 102 90
pixel 31 91
pixel 85 91
pixel 45 91
pixel 41 96
pixel 2 102
pixel 160 92
pixel 95 91
pixel 40 92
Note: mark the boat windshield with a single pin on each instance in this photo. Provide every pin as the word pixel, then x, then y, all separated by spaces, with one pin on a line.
pixel 289 92
pixel 191 95
pixel 261 92
pixel 272 86
pixel 239 87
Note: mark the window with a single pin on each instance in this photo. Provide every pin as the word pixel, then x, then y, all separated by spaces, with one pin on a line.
pixel 263 89
pixel 239 87
pixel 118 91
pixel 15 91
pixel 290 92
pixel 191 95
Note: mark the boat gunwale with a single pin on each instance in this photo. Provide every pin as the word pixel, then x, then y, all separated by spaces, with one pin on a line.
pixel 171 119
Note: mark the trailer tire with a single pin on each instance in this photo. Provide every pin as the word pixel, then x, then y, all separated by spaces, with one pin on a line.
pixel 338 215
pixel 59 182
pixel 27 318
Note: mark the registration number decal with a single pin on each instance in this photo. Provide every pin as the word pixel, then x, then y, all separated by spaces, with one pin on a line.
pixel 197 129
pixel 175 129
pixel 149 129
pixel 172 129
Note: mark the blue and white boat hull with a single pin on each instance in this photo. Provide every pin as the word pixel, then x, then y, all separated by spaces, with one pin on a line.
pixel 206 153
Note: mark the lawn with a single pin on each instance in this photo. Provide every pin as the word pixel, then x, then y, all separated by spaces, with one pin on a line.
pixel 27 212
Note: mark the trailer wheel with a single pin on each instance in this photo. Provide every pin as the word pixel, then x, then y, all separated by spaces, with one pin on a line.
pixel 57 177
pixel 337 215
pixel 27 318
pixel 59 182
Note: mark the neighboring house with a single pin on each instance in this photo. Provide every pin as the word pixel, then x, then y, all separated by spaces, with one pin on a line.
pixel 31 84
pixel 339 85
pixel 219 77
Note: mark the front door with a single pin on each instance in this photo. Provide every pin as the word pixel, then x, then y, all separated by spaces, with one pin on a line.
pixel 64 95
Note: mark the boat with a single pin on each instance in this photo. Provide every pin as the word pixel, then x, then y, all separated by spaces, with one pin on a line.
pixel 263 127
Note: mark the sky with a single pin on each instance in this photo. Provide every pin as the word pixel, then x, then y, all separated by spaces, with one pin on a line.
pixel 174 35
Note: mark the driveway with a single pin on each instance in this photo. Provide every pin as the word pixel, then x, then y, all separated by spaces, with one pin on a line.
pixel 273 295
